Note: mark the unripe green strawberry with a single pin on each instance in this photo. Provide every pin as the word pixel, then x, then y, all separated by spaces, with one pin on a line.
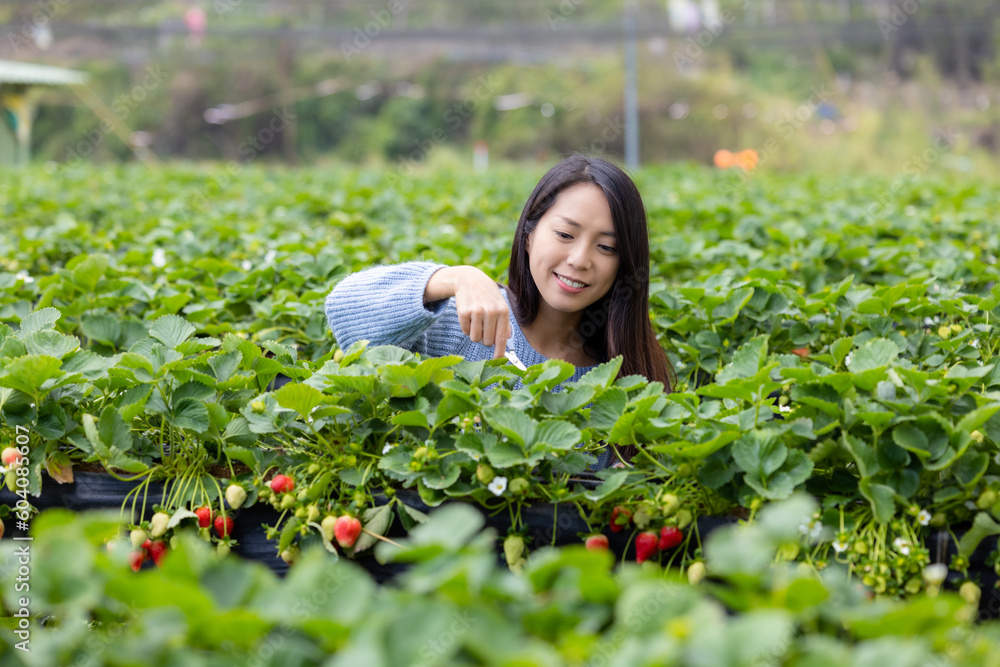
pixel 312 512
pixel 158 524
pixel 987 499
pixel 338 356
pixel 484 473
pixel 235 495
pixel 421 453
pixel 301 513
pixel 696 572
pixel 222 549
pixel 669 504
pixel 258 406
pixel 519 486
pixel 935 573
pixel 313 469
pixel 291 554
pixel 684 518
pixel 287 501
pixel 137 537
pixel 977 436
pixel 513 547
pixel 970 592
pixel 328 523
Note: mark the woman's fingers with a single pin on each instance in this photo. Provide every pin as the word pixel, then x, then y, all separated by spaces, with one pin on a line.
pixel 475 327
pixel 500 341
pixel 483 313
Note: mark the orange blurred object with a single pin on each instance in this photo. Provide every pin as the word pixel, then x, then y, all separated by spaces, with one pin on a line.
pixel 723 159
pixel 747 159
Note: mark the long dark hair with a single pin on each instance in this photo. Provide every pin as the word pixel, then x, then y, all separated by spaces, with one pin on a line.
pixel 617 323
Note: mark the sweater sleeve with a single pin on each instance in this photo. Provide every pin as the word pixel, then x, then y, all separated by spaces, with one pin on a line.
pixel 385 305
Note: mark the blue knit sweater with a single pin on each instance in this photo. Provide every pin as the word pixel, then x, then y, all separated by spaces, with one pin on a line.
pixel 385 305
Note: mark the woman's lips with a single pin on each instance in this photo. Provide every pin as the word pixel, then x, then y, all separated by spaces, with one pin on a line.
pixel 571 290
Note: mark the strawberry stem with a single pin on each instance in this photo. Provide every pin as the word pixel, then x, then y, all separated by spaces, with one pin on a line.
pixel 380 537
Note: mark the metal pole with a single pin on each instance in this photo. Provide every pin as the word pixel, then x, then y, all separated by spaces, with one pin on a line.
pixel 631 91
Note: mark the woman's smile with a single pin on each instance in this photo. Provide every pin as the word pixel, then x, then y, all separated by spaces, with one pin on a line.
pixel 572 287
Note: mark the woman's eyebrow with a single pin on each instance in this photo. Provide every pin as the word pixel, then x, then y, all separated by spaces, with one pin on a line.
pixel 578 225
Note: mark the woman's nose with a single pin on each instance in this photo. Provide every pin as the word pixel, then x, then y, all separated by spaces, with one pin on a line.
pixel 579 258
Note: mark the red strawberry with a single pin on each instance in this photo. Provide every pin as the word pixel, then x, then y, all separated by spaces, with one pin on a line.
pixel 224 525
pixel 282 484
pixel 135 559
pixel 157 551
pixel 646 544
pixel 670 537
pixel 597 543
pixel 803 352
pixel 204 516
pixel 147 545
pixel 620 518
pixel 346 530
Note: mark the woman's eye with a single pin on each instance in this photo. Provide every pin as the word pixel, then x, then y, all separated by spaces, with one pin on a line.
pixel 608 248
pixel 563 235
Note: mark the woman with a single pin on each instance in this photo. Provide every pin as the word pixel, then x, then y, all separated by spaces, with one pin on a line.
pixel 578 287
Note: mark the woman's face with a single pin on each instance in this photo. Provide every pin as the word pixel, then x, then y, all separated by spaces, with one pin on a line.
pixel 574 239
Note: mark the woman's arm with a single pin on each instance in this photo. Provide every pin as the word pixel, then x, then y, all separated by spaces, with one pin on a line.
pixel 386 304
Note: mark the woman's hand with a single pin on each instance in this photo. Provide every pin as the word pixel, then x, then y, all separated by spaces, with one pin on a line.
pixel 482 311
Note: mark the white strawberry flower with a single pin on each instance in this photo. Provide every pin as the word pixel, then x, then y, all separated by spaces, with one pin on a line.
pixel 23 275
pixel 159 258
pixel 924 517
pixel 840 546
pixel 388 448
pixel 785 408
pixel 813 528
pixel 902 546
pixel 498 485
pixel 246 265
